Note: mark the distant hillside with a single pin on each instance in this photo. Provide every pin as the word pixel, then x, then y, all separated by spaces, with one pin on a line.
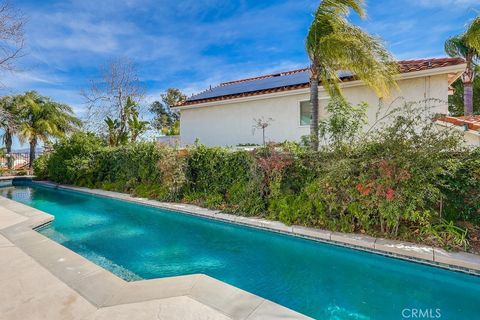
pixel 27 150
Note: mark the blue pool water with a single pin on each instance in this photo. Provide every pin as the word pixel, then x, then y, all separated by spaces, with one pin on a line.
pixel 320 280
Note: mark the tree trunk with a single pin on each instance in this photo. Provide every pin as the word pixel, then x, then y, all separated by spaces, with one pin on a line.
pixel 468 98
pixel 314 104
pixel 33 146
pixel 8 146
pixel 467 79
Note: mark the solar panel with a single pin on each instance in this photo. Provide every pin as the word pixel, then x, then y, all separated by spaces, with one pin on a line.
pixel 256 85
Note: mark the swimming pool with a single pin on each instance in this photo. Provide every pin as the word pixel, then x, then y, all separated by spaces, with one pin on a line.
pixel 320 280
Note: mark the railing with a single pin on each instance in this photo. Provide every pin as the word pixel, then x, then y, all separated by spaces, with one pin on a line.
pixel 169 140
pixel 18 160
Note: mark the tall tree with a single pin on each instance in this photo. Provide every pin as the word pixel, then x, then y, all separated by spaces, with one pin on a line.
pixel 12 36
pixel 166 119
pixel 9 122
pixel 467 46
pixel 108 95
pixel 42 119
pixel 333 44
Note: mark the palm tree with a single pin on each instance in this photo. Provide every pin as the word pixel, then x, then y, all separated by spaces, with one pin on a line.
pixel 333 44
pixel 42 119
pixel 467 46
pixel 9 123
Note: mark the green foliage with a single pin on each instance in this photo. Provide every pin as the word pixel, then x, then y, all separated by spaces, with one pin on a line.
pixel 9 122
pixel 115 137
pixel 405 180
pixel 127 128
pixel 73 160
pixel 219 173
pixel 40 119
pixel 40 167
pixel 344 122
pixel 466 46
pixel 166 120
pixel 333 44
pixel 447 234
pixel 460 185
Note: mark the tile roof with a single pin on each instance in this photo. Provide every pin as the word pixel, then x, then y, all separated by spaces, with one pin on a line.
pixel 296 79
pixel 471 122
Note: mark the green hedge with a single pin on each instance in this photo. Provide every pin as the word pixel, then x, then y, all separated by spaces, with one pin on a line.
pixel 400 183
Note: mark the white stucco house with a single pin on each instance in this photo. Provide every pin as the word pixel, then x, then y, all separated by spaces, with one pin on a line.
pixel 224 115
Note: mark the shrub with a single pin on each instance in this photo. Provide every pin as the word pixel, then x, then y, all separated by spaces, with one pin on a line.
pixel 217 176
pixel 40 167
pixel 73 159
pixel 460 185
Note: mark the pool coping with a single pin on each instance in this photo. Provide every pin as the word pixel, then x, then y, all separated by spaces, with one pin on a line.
pixel 438 257
pixel 104 289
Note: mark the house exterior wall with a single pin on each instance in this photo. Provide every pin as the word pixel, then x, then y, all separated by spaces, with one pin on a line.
pixel 230 122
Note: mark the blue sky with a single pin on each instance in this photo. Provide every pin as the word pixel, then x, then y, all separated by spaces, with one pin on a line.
pixel 191 44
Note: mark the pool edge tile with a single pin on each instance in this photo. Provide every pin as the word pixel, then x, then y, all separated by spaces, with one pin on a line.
pixel 359 240
pixel 312 233
pixel 463 259
pixel 404 248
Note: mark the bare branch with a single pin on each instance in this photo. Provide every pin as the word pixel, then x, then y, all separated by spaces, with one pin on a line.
pixel 12 35
pixel 108 95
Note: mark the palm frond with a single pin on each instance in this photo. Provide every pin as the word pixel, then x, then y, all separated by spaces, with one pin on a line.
pixel 342 7
pixel 456 46
pixel 336 45
pixel 472 35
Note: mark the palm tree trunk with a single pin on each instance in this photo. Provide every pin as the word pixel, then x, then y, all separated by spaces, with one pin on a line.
pixel 467 79
pixel 8 146
pixel 314 104
pixel 33 146
pixel 468 98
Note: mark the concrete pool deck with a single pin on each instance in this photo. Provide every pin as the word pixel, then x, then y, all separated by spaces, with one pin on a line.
pixel 41 279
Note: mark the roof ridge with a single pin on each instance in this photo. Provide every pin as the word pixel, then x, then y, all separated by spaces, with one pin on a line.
pixel 289 72
pixel 429 59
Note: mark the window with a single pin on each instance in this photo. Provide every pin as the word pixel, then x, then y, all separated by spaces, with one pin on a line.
pixel 305 113
pixel 306 110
